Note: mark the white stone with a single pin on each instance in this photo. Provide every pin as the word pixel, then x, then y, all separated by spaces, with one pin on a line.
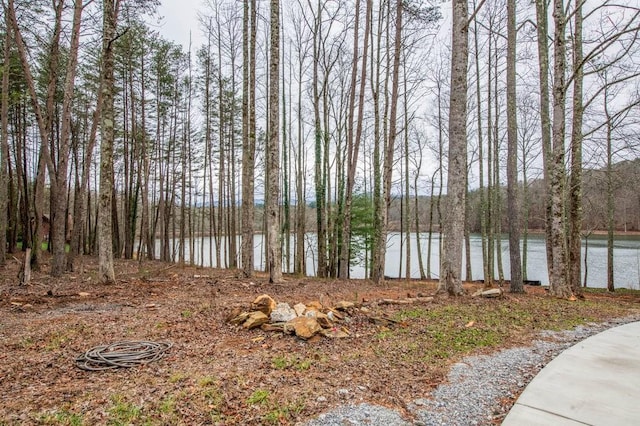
pixel 282 313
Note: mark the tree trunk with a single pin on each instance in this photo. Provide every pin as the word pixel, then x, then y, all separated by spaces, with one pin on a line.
pixel 80 206
pixel 513 204
pixel 559 286
pixel 319 182
pixel 610 196
pixel 301 205
pixel 453 223
pixel 545 120
pixel 44 117
pixel 105 248
pixel 248 138
pixel 4 144
pixel 58 264
pixel 343 263
pixel 274 260
pixel 381 241
pixel 490 217
pixel 481 189
pixel 575 181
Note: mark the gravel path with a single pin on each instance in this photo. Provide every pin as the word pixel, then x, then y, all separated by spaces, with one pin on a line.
pixel 475 388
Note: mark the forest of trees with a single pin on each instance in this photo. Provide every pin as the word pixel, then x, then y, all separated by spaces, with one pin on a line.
pixel 345 119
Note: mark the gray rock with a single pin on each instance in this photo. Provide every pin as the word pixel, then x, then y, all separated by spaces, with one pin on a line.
pixel 282 313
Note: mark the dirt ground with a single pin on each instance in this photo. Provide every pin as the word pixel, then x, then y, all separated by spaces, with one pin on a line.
pixel 217 373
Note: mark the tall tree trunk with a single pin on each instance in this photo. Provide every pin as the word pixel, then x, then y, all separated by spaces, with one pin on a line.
pixel 575 181
pixel 559 286
pixel 80 206
pixel 44 117
pixel 491 184
pixel 353 142
pixel 481 189
pixel 105 249
pixel 513 204
pixel 343 263
pixel 248 138
pixel 274 260
pixel 467 232
pixel 58 264
pixel 4 143
pixel 286 194
pixel 545 120
pixel 497 188
pixel 147 240
pixel 319 182
pixel 381 242
pixel 610 195
pixel 416 213
pixel 407 187
pixel 301 205
pixel 453 223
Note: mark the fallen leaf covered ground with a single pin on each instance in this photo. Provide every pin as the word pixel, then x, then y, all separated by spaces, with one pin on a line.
pixel 217 373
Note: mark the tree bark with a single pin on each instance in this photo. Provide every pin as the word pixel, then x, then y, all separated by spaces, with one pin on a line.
pixel 105 246
pixel 575 181
pixel 559 286
pixel 4 143
pixel 320 190
pixel 58 264
pixel 381 241
pixel 453 223
pixel 513 205
pixel 481 189
pixel 274 260
pixel 248 137
pixel 545 120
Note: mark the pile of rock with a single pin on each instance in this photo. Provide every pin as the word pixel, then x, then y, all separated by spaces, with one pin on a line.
pixel 303 320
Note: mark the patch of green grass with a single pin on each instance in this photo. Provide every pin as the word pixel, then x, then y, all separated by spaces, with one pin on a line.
pixel 123 412
pixel 177 377
pixel 303 365
pixel 623 291
pixel 384 334
pixel 211 393
pixel 56 341
pixel 413 313
pixel 168 405
pixel 283 414
pixel 27 343
pixel 459 328
pixel 62 418
pixel 207 381
pixel 186 314
pixel 259 396
pixel 282 362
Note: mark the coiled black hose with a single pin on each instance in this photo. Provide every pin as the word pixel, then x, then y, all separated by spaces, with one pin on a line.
pixel 122 355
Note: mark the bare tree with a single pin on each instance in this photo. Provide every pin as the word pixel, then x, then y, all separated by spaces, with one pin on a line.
pixel 381 240
pixel 516 285
pixel 274 261
pixel 105 248
pixel 248 135
pixel 575 177
pixel 453 223
pixel 353 141
pixel 4 141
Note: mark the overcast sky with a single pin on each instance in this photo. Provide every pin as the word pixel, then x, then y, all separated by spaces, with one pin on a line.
pixel 179 17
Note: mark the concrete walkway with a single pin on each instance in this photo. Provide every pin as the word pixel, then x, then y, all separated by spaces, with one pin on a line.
pixel 595 382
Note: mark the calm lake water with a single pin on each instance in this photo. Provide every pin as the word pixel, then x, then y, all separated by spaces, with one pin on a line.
pixel 626 258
